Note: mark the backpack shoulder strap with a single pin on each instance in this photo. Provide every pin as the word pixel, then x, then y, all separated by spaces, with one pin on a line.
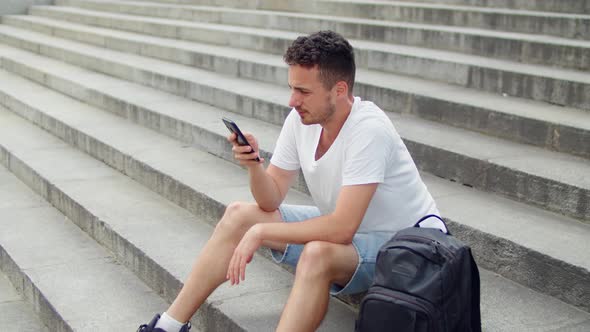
pixel 446 228
pixel 475 296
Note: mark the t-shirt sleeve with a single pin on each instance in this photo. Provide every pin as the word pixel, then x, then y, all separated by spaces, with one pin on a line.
pixel 285 155
pixel 368 153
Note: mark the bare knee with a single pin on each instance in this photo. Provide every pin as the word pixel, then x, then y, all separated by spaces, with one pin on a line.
pixel 236 218
pixel 314 261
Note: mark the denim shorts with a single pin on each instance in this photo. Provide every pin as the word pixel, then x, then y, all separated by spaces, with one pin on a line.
pixel 367 246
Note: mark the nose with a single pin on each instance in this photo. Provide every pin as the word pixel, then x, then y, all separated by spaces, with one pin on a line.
pixel 295 100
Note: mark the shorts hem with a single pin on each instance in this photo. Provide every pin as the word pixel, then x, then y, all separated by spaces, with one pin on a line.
pixel 337 289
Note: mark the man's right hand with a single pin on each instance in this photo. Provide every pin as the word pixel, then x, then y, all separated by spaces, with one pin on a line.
pixel 246 155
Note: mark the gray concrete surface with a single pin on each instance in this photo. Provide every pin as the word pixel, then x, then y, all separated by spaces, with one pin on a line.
pixel 422 98
pixel 17 314
pixel 547 50
pixel 12 7
pixel 559 6
pixel 512 306
pixel 565 192
pixel 175 179
pixel 568 6
pixel 553 85
pixel 574 26
pixel 72 283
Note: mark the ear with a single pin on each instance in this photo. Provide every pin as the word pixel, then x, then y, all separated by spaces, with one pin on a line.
pixel 341 88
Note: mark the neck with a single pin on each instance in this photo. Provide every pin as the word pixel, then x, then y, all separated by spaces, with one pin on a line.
pixel 332 127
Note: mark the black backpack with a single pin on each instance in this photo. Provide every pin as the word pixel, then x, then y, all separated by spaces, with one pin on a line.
pixel 425 281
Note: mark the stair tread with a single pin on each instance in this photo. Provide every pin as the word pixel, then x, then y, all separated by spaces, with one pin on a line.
pixel 69 268
pixel 461 30
pixel 474 9
pixel 16 312
pixel 254 56
pixel 365 2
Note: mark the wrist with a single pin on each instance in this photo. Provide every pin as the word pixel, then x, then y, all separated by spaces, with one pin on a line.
pixel 256 231
pixel 256 166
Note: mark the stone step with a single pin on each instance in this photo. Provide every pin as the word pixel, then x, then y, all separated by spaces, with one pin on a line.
pixel 557 6
pixel 17 314
pixel 73 283
pixel 526 244
pixel 526 48
pixel 124 217
pixel 552 85
pixel 574 26
pixel 566 6
pixel 519 171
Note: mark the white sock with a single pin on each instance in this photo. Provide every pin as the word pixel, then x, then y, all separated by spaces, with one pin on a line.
pixel 169 324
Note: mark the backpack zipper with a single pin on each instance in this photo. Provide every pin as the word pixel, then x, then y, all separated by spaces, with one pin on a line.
pixel 427 240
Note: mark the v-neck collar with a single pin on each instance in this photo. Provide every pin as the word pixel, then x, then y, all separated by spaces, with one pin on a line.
pixel 320 132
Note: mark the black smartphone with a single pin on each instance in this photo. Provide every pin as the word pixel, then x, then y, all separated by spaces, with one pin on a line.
pixel 233 128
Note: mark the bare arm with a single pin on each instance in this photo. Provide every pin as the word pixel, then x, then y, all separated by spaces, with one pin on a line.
pixel 338 227
pixel 269 187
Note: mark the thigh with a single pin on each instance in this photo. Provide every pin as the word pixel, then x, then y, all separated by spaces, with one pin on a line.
pixel 344 260
pixel 367 247
pixel 289 253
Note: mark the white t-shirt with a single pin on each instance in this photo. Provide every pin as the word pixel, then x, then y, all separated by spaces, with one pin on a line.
pixel 368 149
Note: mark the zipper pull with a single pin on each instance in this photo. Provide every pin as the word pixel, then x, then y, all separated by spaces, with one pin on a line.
pixel 434 248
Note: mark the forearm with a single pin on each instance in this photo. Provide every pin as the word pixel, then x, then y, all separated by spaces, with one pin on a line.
pixel 264 189
pixel 323 228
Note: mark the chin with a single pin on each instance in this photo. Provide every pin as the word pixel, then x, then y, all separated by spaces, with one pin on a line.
pixel 306 121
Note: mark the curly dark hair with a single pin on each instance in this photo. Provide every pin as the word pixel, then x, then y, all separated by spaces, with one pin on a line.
pixel 330 52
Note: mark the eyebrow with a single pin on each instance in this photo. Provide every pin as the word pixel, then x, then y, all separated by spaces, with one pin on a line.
pixel 299 88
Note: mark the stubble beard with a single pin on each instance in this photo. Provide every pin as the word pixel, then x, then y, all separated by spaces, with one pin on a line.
pixel 322 117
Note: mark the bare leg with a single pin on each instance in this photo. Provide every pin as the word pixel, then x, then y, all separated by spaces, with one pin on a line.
pixel 210 268
pixel 320 265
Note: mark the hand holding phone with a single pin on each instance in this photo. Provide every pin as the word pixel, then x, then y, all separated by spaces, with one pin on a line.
pixel 240 138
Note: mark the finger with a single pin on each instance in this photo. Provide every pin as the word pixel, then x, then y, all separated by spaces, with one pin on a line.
pixel 242 149
pixel 251 162
pixel 246 156
pixel 237 269
pixel 232 137
pixel 232 275
pixel 249 137
pixel 243 264
pixel 251 140
pixel 229 269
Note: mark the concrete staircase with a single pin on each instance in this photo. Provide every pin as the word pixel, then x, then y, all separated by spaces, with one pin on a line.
pixel 115 166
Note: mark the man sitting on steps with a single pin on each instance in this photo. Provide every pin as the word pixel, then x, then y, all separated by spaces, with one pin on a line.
pixel 361 177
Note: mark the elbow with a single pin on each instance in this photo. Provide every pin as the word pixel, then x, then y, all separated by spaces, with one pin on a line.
pixel 345 230
pixel 268 206
pixel 345 237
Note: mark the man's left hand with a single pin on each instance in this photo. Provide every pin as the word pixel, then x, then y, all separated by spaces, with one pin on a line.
pixel 243 254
